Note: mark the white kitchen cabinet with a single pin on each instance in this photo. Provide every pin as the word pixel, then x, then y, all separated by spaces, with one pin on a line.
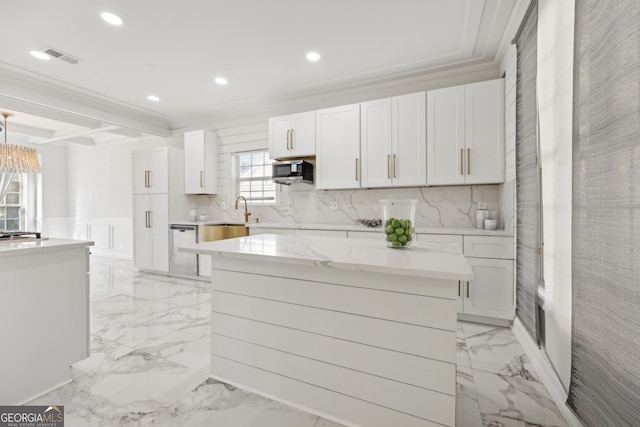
pixel 465 134
pixel 151 232
pixel 338 147
pixel 441 238
pixel 490 293
pixel 393 141
pixel 200 162
pixel 158 198
pixel 151 171
pixel 292 136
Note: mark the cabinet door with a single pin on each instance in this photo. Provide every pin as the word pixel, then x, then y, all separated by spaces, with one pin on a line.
pixel 338 147
pixel 375 143
pixel 279 134
pixel 484 132
pixel 141 233
pixel 158 181
pixel 490 293
pixel 445 136
pixel 194 181
pixel 159 229
pixel 302 142
pixel 140 166
pixel 200 162
pixel 409 140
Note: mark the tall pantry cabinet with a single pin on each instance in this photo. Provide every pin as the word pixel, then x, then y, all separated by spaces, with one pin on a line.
pixel 158 197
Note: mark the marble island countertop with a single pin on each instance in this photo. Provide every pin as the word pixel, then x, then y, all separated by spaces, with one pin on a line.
pixel 10 247
pixel 432 260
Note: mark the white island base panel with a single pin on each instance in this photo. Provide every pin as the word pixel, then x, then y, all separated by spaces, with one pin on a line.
pixel 361 348
pixel 44 313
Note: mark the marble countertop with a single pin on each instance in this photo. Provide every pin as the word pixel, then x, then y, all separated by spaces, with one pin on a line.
pixel 357 227
pixel 429 260
pixel 39 245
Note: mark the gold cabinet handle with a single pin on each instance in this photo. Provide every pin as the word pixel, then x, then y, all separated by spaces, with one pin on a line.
pixel 388 166
pixel 146 179
pixel 395 164
pixel 292 139
pixel 356 169
pixel 468 286
pixel 288 133
pixel 458 287
pixel 461 161
pixel 147 219
pixel 202 179
pixel 468 161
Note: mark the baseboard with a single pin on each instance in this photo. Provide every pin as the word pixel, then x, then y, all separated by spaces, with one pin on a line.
pixel 548 376
pixel 484 320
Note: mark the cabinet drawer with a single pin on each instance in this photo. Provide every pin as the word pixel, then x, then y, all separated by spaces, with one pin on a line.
pixel 488 247
pixel 441 238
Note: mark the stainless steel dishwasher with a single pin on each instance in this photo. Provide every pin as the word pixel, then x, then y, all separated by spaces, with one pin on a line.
pixel 183 264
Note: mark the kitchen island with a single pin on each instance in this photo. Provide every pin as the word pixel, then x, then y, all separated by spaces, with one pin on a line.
pixel 44 313
pixel 347 329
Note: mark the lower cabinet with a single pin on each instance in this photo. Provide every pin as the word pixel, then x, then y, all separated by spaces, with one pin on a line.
pixel 151 232
pixel 490 293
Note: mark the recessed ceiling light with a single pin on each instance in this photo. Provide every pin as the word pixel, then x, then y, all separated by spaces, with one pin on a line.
pixel 153 98
pixel 221 81
pixel 40 55
pixel 111 18
pixel 313 56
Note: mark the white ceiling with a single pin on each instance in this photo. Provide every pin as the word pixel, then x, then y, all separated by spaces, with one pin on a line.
pixel 175 49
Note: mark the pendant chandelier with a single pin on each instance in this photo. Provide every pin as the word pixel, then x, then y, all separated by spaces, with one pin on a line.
pixel 16 158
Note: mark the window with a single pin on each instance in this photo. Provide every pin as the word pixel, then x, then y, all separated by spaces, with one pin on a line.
pixel 253 177
pixel 10 205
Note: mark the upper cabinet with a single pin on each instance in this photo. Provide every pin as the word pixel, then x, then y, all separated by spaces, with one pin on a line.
pixel 393 141
pixel 151 171
pixel 292 136
pixel 338 147
pixel 465 134
pixel 200 162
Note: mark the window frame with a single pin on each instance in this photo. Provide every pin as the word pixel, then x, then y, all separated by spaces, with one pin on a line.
pixel 266 179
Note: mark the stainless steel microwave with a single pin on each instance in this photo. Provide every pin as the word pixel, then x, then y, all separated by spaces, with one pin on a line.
pixel 292 171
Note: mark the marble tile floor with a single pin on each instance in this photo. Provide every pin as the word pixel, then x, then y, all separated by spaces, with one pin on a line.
pixel 149 363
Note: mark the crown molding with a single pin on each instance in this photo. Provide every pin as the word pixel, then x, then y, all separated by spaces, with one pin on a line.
pixel 39 95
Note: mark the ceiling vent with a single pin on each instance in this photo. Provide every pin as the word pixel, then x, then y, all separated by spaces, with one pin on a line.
pixel 58 54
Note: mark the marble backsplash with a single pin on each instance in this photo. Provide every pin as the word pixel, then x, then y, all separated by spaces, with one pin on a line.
pixel 453 206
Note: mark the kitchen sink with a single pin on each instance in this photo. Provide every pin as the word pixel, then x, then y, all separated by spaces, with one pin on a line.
pixel 210 233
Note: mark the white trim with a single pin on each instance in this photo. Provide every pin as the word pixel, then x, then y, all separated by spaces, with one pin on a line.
pixel 548 375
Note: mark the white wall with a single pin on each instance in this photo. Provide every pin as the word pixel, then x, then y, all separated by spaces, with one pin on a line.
pixel 99 189
pixel 555 98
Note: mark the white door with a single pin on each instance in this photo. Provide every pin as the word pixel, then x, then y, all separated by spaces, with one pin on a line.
pixel 159 225
pixel 140 166
pixel 303 137
pixel 141 232
pixel 279 134
pixel 338 147
pixel 409 147
pixel 375 143
pixel 159 171
pixel 490 293
pixel 484 132
pixel 194 180
pixel 445 136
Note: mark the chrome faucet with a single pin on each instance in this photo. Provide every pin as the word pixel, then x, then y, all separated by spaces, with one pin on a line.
pixel 246 211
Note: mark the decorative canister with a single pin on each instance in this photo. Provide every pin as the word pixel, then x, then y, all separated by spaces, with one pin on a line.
pixel 398 218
